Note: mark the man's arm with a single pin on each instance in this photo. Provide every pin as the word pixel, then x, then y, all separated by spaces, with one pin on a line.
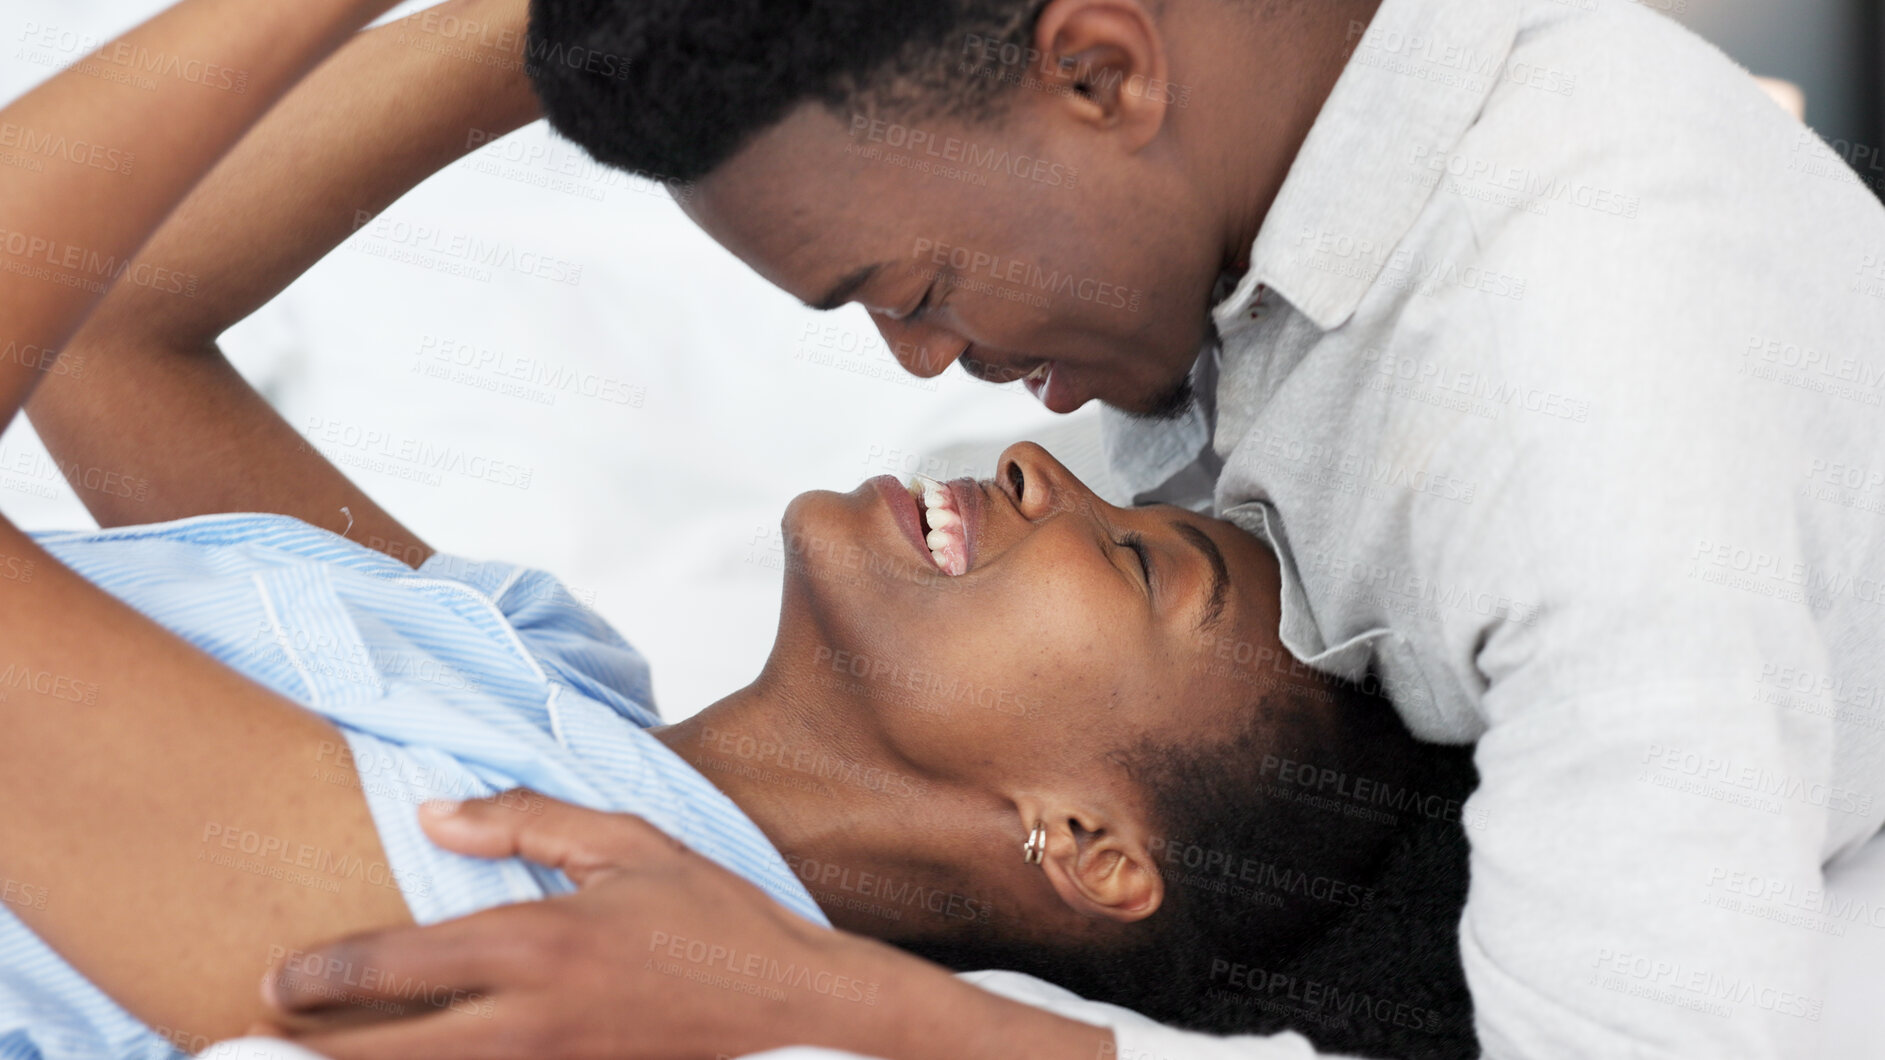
pixel 105 796
pixel 662 953
pixel 154 400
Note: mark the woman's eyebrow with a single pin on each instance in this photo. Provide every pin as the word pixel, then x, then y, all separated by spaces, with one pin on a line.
pixel 1220 573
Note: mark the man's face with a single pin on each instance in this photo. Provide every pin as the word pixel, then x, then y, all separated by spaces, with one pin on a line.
pixel 1029 248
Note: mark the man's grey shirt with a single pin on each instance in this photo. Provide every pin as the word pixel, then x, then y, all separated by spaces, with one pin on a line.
pixel 1557 383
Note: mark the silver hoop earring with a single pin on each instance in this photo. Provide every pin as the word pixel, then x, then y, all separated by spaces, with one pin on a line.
pixel 1035 848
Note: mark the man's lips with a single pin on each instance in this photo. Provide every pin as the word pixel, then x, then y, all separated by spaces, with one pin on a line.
pixel 1052 385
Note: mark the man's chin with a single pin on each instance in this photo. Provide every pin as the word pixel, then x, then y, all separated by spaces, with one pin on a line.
pixel 1173 404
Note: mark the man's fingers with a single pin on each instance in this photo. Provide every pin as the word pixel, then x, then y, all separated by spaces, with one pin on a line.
pixel 457 1034
pixel 520 823
pixel 389 974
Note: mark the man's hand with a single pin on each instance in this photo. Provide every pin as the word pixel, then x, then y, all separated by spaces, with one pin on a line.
pixel 655 929
pixel 660 954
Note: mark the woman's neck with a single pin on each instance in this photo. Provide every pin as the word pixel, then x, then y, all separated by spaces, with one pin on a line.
pixel 867 836
pixel 758 747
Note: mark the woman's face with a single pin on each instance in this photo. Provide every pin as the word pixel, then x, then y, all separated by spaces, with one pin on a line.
pixel 1019 631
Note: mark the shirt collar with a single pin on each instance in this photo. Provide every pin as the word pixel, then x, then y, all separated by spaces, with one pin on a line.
pixel 1416 79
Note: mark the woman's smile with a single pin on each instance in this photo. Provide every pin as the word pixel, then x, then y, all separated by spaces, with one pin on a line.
pixel 943 520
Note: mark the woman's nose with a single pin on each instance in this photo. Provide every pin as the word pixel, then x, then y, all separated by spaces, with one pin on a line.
pixel 924 351
pixel 1041 485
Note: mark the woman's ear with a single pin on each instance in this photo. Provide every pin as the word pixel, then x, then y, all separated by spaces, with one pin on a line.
pixel 1102 866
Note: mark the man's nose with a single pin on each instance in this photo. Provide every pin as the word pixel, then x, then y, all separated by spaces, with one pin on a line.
pixel 924 351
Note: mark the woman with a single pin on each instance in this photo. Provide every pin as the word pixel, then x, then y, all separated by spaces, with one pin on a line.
pixel 999 725
pixel 1033 765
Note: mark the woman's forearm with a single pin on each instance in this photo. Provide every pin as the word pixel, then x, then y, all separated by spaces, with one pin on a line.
pixel 393 106
pixel 124 745
pixel 147 399
pixel 147 433
pixel 76 226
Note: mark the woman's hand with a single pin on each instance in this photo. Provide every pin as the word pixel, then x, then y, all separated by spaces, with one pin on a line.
pixel 660 954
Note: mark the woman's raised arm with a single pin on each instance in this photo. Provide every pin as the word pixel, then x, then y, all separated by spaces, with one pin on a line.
pixel 155 401
pixel 105 796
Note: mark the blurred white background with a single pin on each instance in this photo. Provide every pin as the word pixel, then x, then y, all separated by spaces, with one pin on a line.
pixel 671 402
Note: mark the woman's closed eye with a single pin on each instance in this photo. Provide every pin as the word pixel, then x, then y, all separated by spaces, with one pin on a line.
pixel 1136 543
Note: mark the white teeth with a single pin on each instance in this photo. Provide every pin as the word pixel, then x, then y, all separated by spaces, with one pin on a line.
pixel 934 495
pixel 1040 372
pixel 947 539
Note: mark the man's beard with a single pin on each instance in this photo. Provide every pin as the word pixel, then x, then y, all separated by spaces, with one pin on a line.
pixel 1175 403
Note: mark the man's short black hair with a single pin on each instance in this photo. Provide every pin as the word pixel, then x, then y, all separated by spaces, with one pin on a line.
pixel 670 89
pixel 1314 878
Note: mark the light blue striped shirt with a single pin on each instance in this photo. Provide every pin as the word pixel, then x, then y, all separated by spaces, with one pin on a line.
pixel 456 680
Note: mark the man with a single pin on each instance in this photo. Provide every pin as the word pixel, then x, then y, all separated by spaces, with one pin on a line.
pixel 1540 356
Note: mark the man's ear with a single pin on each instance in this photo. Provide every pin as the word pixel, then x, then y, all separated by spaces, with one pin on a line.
pixel 1106 60
pixel 1102 867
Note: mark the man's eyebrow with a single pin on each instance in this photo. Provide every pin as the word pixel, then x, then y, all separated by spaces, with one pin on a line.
pixel 842 291
pixel 1220 573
